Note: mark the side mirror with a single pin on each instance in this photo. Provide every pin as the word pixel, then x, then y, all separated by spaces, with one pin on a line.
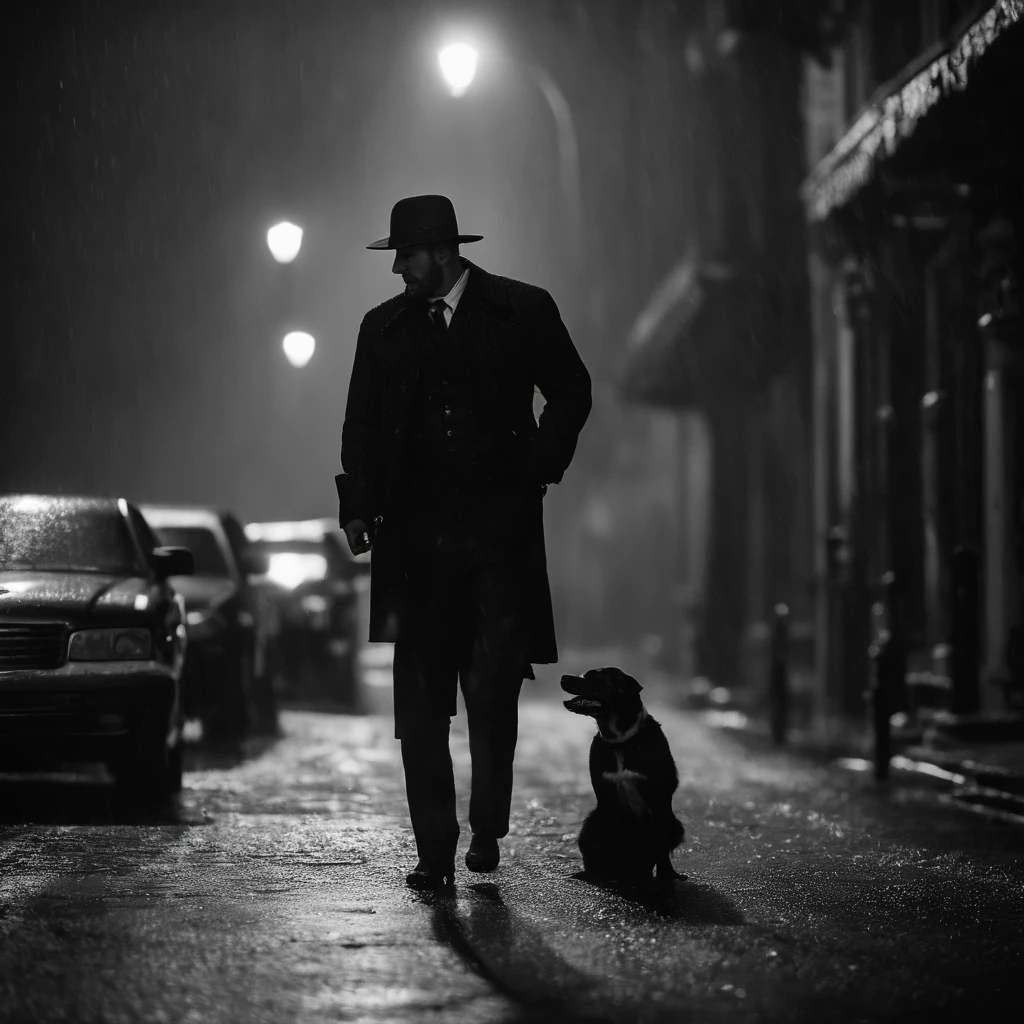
pixel 255 563
pixel 173 562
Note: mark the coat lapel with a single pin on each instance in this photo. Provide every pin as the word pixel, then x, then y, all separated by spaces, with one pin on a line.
pixel 401 349
pixel 482 319
pixel 483 302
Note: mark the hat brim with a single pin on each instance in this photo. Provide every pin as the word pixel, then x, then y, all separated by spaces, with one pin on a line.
pixel 386 243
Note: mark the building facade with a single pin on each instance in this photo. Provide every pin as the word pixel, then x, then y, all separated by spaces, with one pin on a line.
pixel 843 322
pixel 914 206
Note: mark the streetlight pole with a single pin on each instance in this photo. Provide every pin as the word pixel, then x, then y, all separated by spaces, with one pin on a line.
pixel 458 64
pixel 568 149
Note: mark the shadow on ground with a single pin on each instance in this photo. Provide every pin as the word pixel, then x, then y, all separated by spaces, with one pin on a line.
pixel 512 955
pixel 516 958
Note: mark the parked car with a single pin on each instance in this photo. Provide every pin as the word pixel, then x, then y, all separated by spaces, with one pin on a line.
pixel 92 641
pixel 319 586
pixel 232 624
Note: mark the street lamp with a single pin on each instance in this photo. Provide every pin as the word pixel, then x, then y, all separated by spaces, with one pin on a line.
pixel 284 241
pixel 458 66
pixel 298 347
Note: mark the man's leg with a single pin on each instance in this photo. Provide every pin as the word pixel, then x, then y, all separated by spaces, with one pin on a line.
pixel 493 732
pixel 491 681
pixel 430 789
pixel 425 674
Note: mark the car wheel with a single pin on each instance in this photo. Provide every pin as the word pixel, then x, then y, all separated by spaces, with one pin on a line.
pixel 176 766
pixel 265 699
pixel 232 714
pixel 145 770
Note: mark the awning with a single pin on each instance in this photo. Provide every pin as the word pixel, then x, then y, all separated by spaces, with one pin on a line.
pixel 691 340
pixel 898 106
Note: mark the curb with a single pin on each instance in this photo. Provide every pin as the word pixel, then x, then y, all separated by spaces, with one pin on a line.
pixel 988 776
pixel 985 787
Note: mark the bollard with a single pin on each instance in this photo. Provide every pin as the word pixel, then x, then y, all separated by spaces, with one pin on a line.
pixel 778 675
pixel 889 668
pixel 881 657
pixel 964 630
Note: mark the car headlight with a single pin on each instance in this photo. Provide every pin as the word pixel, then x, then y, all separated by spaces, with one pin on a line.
pixel 111 645
pixel 290 569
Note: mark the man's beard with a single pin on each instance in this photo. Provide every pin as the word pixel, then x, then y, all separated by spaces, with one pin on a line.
pixel 428 285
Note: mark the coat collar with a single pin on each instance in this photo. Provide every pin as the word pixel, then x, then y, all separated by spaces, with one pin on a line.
pixel 481 289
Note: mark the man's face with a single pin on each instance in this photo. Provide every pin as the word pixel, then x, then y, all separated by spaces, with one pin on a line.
pixel 421 271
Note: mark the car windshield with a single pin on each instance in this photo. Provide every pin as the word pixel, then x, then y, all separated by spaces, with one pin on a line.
pixel 202 541
pixel 58 537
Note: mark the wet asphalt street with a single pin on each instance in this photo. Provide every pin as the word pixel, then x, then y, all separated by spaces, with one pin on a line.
pixel 274 891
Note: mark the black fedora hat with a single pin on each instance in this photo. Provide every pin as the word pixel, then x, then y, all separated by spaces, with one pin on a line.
pixel 420 220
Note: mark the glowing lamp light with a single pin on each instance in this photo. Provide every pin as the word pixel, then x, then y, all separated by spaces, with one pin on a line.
pixel 290 568
pixel 458 66
pixel 298 347
pixel 284 241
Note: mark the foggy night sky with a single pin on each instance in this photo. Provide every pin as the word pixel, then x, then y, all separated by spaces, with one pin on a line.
pixel 156 142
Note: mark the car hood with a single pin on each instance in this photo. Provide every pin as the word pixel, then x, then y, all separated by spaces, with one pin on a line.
pixel 75 595
pixel 203 591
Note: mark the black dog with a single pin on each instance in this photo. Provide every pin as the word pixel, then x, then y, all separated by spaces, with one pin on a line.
pixel 632 830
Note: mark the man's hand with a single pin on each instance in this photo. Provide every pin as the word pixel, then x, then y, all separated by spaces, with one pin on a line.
pixel 358 537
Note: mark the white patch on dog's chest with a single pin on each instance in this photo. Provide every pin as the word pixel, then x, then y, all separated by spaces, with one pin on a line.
pixel 625 780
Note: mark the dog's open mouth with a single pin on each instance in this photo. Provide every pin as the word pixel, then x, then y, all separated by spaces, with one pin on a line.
pixel 584 706
pixel 581 703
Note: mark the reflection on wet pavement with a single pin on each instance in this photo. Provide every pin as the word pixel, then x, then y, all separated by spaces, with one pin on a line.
pixel 273 890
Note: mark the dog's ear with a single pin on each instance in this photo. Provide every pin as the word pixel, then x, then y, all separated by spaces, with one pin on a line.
pixel 626 681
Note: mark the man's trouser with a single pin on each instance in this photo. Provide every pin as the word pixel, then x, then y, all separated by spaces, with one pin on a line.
pixel 466 623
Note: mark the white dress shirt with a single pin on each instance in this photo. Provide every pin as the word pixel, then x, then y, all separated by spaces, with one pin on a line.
pixel 451 300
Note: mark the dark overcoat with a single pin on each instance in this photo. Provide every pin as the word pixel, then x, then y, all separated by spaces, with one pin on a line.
pixel 518 343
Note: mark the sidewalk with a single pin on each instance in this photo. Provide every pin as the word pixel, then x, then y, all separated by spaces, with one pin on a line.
pixel 980 756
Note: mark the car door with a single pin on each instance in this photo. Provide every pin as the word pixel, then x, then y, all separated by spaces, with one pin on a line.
pixel 255 601
pixel 169 610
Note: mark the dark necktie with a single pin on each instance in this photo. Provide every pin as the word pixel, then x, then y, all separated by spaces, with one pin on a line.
pixel 435 310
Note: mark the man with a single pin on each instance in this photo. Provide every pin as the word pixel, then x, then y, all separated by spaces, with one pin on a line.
pixel 445 468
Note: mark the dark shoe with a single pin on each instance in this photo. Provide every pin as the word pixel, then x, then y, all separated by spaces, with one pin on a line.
pixel 430 876
pixel 483 854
